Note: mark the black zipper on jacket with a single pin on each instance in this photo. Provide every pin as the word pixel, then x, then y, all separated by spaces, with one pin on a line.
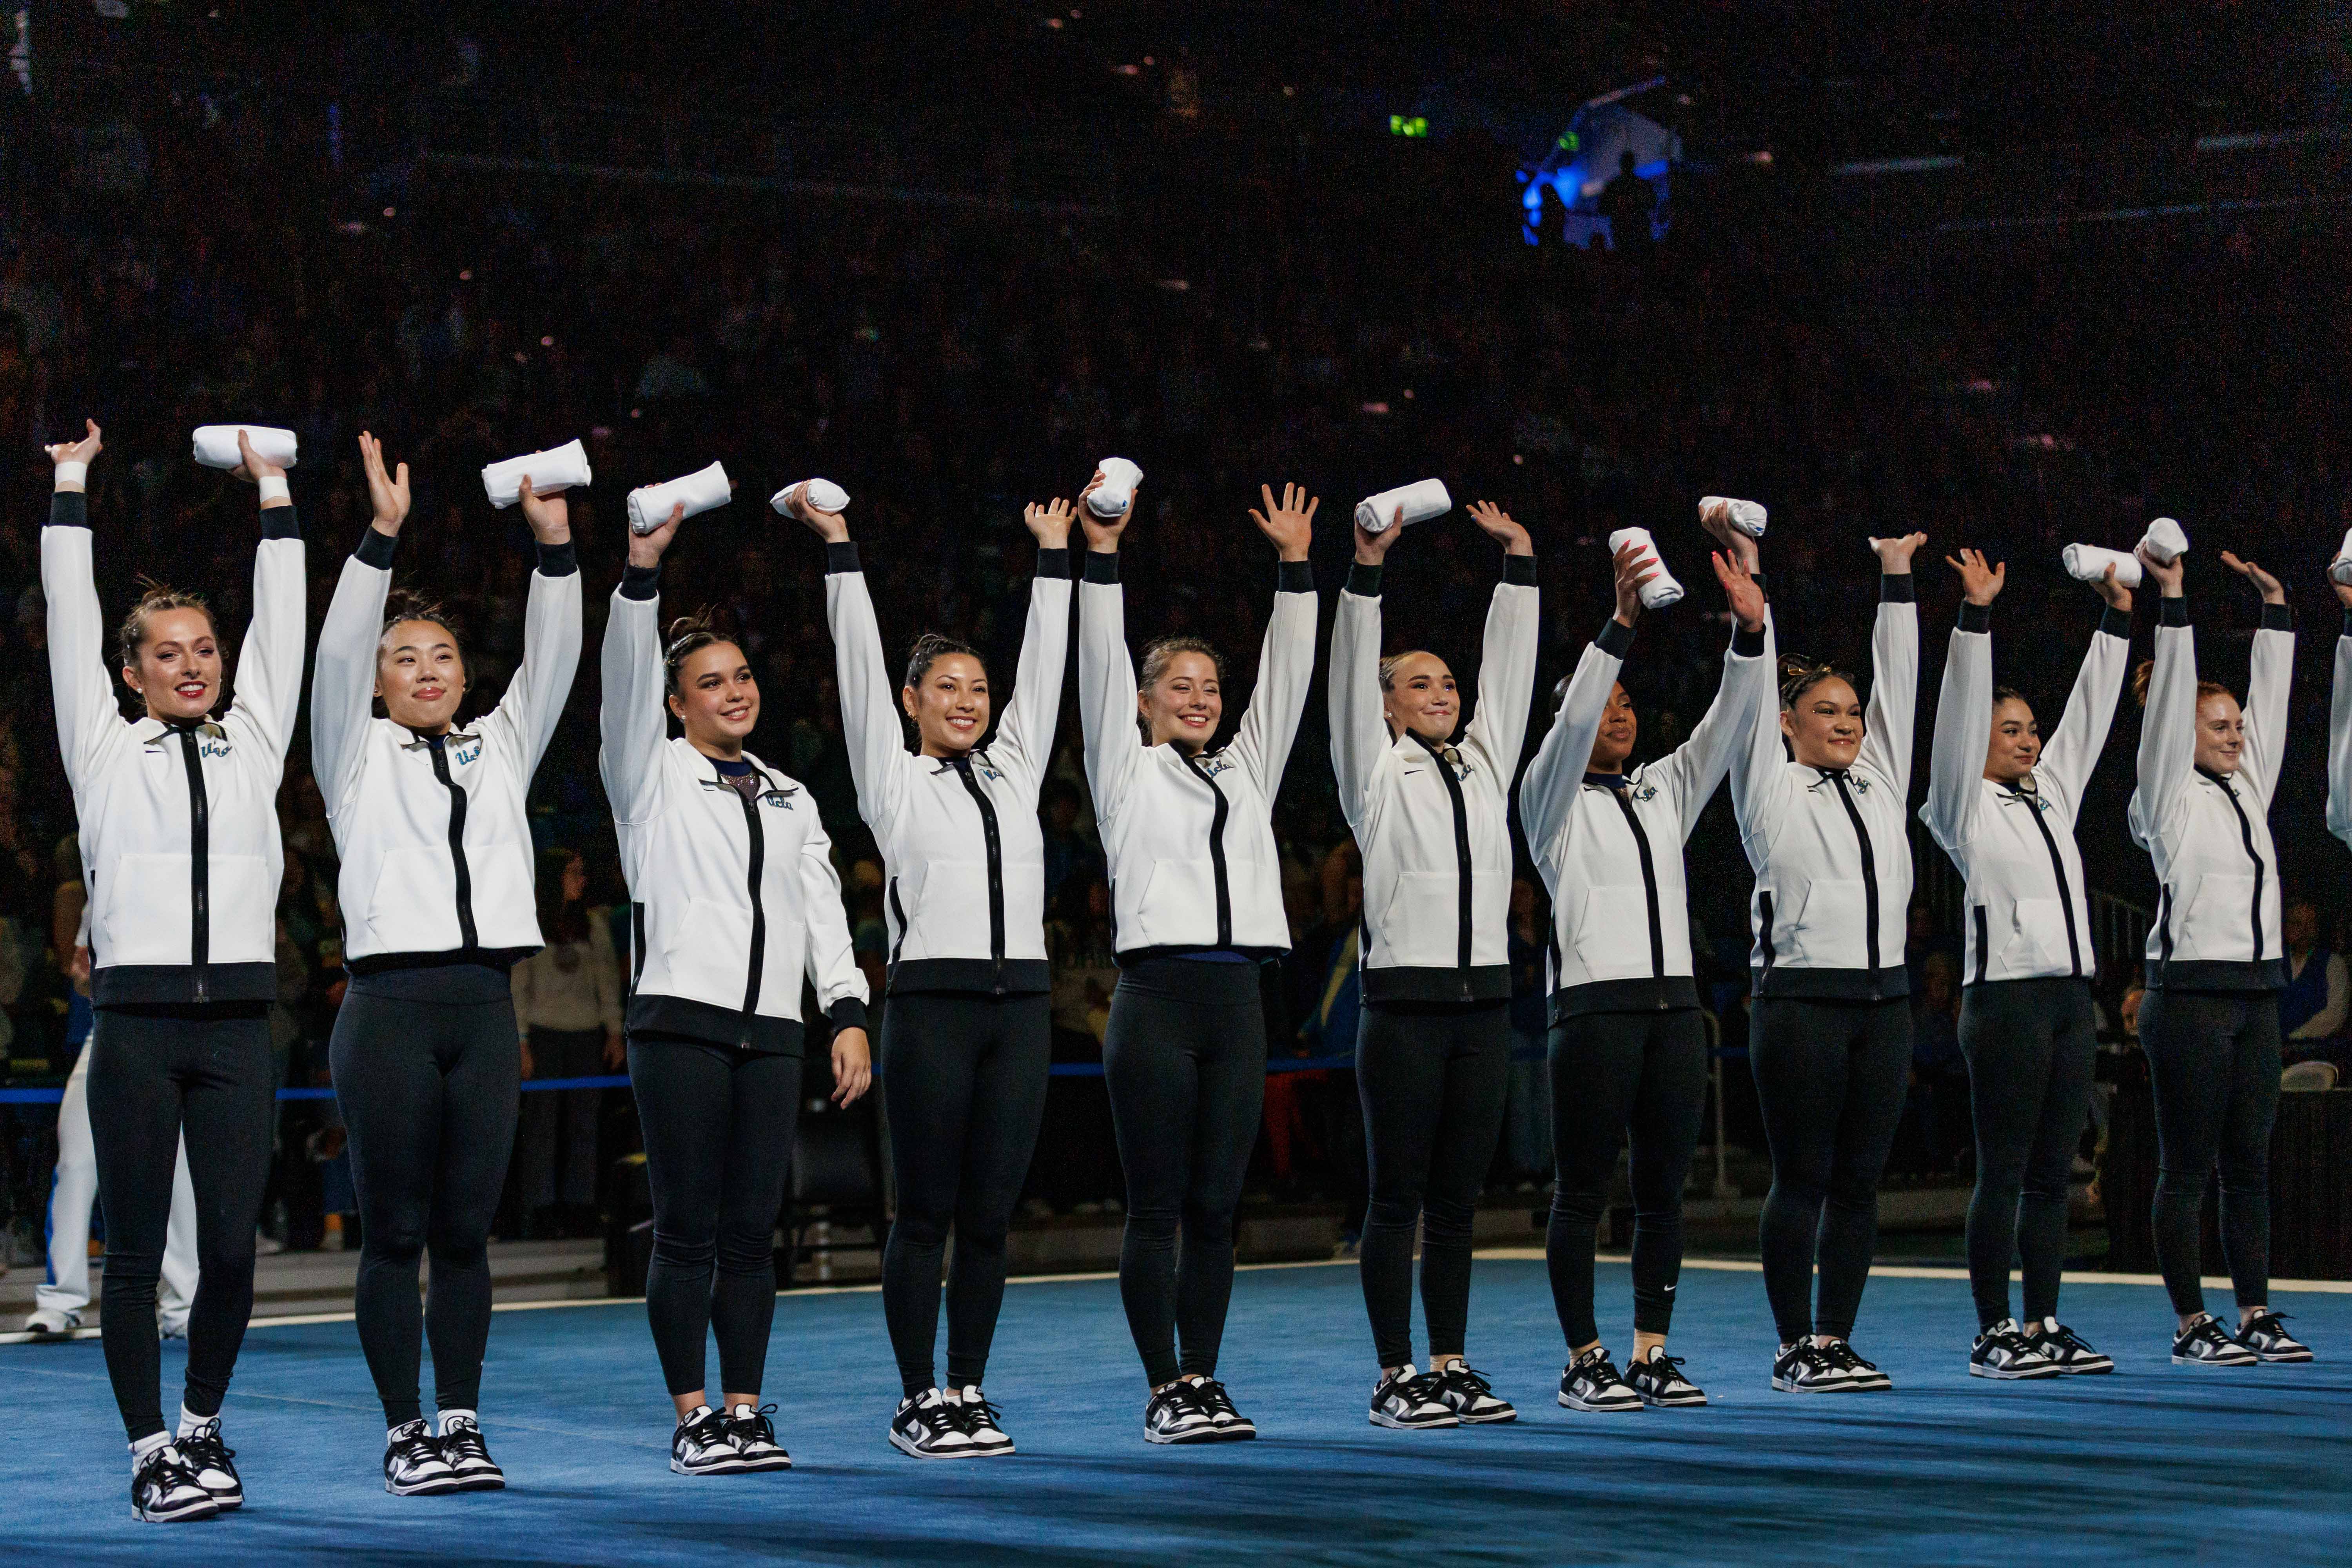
pixel 1984 943
pixel 962 765
pixel 464 874
pixel 899 910
pixel 1216 849
pixel 636 945
pixel 2246 833
pixel 200 873
pixel 1465 910
pixel 2065 893
pixel 1869 877
pixel 1649 884
pixel 759 859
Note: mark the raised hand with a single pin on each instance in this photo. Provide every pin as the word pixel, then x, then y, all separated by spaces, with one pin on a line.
pixel 1049 524
pixel 387 493
pixel 1497 524
pixel 2273 592
pixel 80 451
pixel 1737 542
pixel 1980 583
pixel 1103 534
pixel 1632 571
pixel 550 519
pixel 1371 549
pixel 647 550
pixel 1895 554
pixel 826 525
pixel 2167 577
pixel 2118 597
pixel 251 466
pixel 1739 585
pixel 1291 525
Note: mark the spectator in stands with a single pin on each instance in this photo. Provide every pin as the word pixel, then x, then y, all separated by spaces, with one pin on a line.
pixel 567 999
pixel 2313 1006
pixel 1940 1073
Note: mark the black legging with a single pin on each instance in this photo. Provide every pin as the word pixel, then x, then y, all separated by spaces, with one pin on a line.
pixel 718 1125
pixel 1615 1074
pixel 964 1080
pixel 1184 1058
pixel 2031 1046
pixel 2214 1061
pixel 153 1074
pixel 428 1092
pixel 1830 1076
pixel 1434 1077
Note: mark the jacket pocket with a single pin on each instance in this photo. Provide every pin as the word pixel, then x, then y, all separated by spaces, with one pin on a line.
pixel 706 948
pixel 148 913
pixel 948 909
pixel 1179 906
pixel 2037 937
pixel 414 906
pixel 1421 925
pixel 1612 932
pixel 1827 926
pixel 2216 919
pixel 506 903
pixel 244 897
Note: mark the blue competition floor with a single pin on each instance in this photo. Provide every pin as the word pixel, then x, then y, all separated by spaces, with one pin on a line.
pixel 2154 1464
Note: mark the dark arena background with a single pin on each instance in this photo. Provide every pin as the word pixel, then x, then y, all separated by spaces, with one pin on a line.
pixel 2015 275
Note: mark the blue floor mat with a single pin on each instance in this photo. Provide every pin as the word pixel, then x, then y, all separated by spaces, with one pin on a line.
pixel 2154 1464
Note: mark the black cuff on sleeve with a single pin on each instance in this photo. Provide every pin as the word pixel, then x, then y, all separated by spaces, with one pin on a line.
pixel 1364 581
pixel 558 559
pixel 849 1013
pixel 1762 586
pixel 1616 638
pixel 841 556
pixel 280 523
pixel 1294 577
pixel 69 508
pixel 1746 644
pixel 641 582
pixel 1975 618
pixel 1055 563
pixel 2278 617
pixel 2172 611
pixel 375 547
pixel 1897 588
pixel 2116 623
pixel 1519 571
pixel 1102 566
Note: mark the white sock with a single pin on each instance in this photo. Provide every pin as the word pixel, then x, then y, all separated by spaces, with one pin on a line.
pixel 190 1421
pixel 450 1417
pixel 952 1393
pixel 143 1446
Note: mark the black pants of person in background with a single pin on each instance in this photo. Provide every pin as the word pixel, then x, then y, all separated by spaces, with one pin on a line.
pixel 1433 1078
pixel 555 1139
pixel 2213 1065
pixel 963 1081
pixel 718 1125
pixel 1184 1059
pixel 427 1089
pixel 155 1072
pixel 1830 1076
pixel 1615 1075
pixel 2032 1047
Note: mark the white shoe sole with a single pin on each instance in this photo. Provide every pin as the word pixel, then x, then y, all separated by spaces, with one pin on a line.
pixel 1492 1418
pixel 761 1466
pixel 2014 1375
pixel 2284 1355
pixel 2085 1369
pixel 1673 1400
pixel 1184 1438
pixel 1421 1423
pixel 478 1483
pixel 1791 1386
pixel 1236 1432
pixel 187 1514
pixel 725 1467
pixel 914 1450
pixel 2214 1361
pixel 440 1485
pixel 1630 1407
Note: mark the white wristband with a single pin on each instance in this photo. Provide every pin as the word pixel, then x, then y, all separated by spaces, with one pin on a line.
pixel 73 473
pixel 273 488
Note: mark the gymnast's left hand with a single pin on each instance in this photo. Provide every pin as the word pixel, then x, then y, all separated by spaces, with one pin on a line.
pixel 853 1065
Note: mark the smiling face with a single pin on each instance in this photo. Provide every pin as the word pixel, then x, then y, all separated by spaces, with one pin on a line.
pixel 716 699
pixel 420 675
pixel 1613 741
pixel 1824 726
pixel 1418 693
pixel 1185 704
pixel 949 705
pixel 2220 733
pixel 178 666
pixel 2016 743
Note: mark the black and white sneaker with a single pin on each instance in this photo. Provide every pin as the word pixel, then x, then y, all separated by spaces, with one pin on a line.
pixel 1232 1426
pixel 1591 1383
pixel 1658 1379
pixel 928 1428
pixel 1470 1396
pixel 1176 1415
pixel 1803 1368
pixel 2207 1343
pixel 413 1465
pixel 1865 1375
pixel 52 1323
pixel 164 1490
pixel 1406 1401
pixel 2265 1334
pixel 213 1463
pixel 2066 1351
pixel 2003 1352
pixel 754 1436
pixel 702 1445
pixel 463 1450
pixel 979 1423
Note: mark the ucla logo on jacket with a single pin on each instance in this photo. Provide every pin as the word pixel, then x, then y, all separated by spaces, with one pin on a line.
pixel 1212 766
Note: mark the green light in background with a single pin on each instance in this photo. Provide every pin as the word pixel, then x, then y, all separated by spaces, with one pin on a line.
pixel 1408 125
pixel 1569 142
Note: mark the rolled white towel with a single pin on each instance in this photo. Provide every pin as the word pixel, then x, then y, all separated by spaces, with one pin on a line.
pixel 823 495
pixel 557 468
pixel 2165 540
pixel 2089 563
pixel 700 490
pixel 1747 516
pixel 1422 501
pixel 216 445
pixel 2340 569
pixel 1661 590
pixel 1116 492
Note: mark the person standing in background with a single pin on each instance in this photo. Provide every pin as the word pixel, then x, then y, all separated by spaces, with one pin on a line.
pixel 2319 992
pixel 567 999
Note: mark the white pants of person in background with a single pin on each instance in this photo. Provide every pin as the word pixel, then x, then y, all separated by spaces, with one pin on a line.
pixel 71 1193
